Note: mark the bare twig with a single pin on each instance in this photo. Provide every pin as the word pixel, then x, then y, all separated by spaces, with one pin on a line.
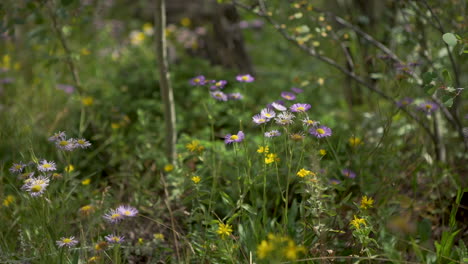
pixel 171 215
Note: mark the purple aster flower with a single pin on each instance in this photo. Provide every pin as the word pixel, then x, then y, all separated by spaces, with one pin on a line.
pixel 114 239
pixel 198 80
pixel 36 186
pixel 273 133
pixel 67 242
pixel 245 78
pixel 259 119
pixel 66 88
pixel 268 113
pixel 335 181
pixel 243 24
pixel 299 107
pixel 288 96
pixel 218 95
pixel 66 144
pixel 297 136
pixel 428 107
pixel 113 216
pixel 297 90
pixel 127 211
pixel 235 96
pixel 81 143
pixel 57 136
pixel 320 132
pixel 218 85
pixel 284 118
pixel 348 173
pixel 45 165
pixel 405 101
pixel 17 167
pixel 310 122
pixel 257 23
pixel 234 138
pixel 278 106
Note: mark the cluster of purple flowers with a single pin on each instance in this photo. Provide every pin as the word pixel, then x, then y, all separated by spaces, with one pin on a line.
pixel 235 138
pixel 217 85
pixel 428 107
pixel 120 213
pixel 62 143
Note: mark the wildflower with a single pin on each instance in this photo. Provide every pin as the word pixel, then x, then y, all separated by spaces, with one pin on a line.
pixel 69 168
pixel 297 136
pixel 262 149
pixel 64 144
pixel 259 119
pixel 428 107
pixel 291 251
pixel 67 242
pixel 366 202
pixel 66 88
pixel 148 29
pixel 168 167
pixel 404 102
pixel 264 249
pixel 268 113
pixel 245 78
pixel 26 175
pixel 224 230
pixel 278 106
pixel 101 246
pixel 185 22
pixel 297 90
pixel 303 172
pixel 194 146
pixel 114 239
pixel 115 125
pixel 198 80
pixel 196 179
pixel 86 181
pixel 335 181
pixel 94 259
pixel 127 211
pixel 57 175
pixel 234 138
pixel 273 133
pixel 220 96
pixel 86 210
pixel 348 173
pixel 113 216
pixel 158 236
pixel 141 241
pixel 309 122
pixel 320 81
pixel 270 158
pixel 322 152
pixel 87 101
pixel 354 141
pixel 357 222
pixel 8 200
pixel 300 107
pixel 82 143
pixel 284 118
pixel 320 132
pixel 235 96
pixel 85 52
pixel 137 37
pixel 218 85
pixel 36 186
pixel 57 136
pixel 288 96
pixel 45 165
pixel 17 167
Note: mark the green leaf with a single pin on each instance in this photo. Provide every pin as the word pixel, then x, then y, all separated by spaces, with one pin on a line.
pixel 428 77
pixel 249 209
pixel 450 39
pixel 424 230
pixel 447 77
pixel 449 102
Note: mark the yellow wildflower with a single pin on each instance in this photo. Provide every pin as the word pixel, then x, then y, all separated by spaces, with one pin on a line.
pixel 168 168
pixel 8 200
pixel 85 52
pixel 137 37
pixel 94 259
pixel 323 152
pixel 86 181
pixel 86 210
pixel 141 241
pixel 148 29
pixel 194 146
pixel 264 249
pixel 270 158
pixel 185 22
pixel 196 179
pixel 158 236
pixel 357 222
pixel 262 149
pixel 303 172
pixel 115 125
pixel 354 141
pixel 366 202
pixel 320 81
pixel 69 168
pixel 291 251
pixel 87 101
pixel 224 230
pixel 101 246
pixel 6 62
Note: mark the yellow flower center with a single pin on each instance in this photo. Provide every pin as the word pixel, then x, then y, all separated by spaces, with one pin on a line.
pixel 36 188
pixel 300 108
pixel 63 143
pixel 245 78
pixel 66 240
pixel 116 239
pixel 114 216
pixel 127 212
pixel 288 97
pixel 46 166
pixel 197 80
pixel 234 137
pixel 80 141
pixel 17 167
pixel 428 106
pixel 320 131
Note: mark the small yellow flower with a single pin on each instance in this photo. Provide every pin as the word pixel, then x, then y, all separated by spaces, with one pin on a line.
pixel 194 146
pixel 196 179
pixel 303 172
pixel 224 230
pixel 94 259
pixel 8 200
pixel 320 81
pixel 6 62
pixel 262 149
pixel 57 175
pixel 323 152
pixel 17 66
pixel 366 202
pixel 101 246
pixel 158 236
pixel 69 168
pixel 292 250
pixel 264 249
pixel 87 101
pixel 115 125
pixel 137 37
pixel 86 181
pixel 185 22
pixel 270 158
pixel 168 168
pixel 354 141
pixel 85 52
pixel 86 210
pixel 141 241
pixel 148 29
pixel 357 222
